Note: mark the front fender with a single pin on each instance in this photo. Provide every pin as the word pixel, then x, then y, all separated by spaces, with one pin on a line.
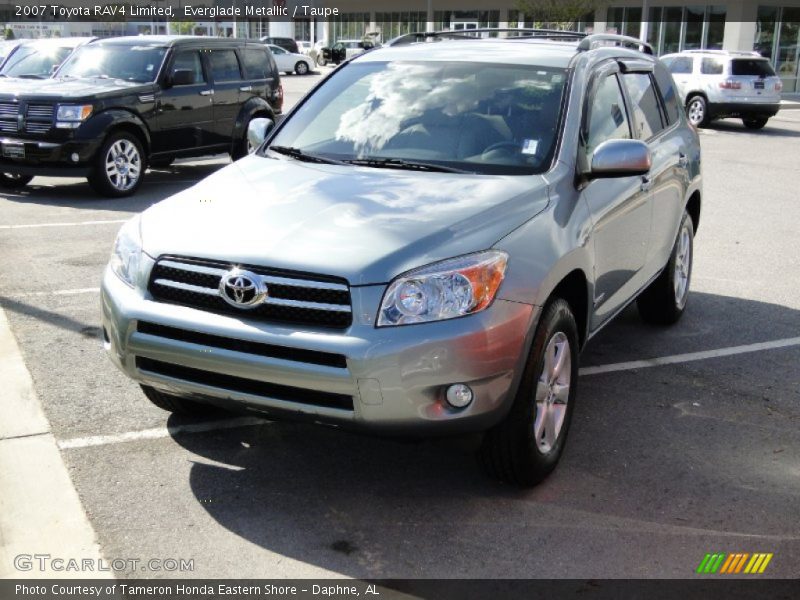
pixel 99 125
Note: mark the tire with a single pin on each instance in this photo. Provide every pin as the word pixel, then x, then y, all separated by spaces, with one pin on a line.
pixel 241 148
pixel 321 62
pixel 177 404
pixel 664 300
pixel 160 163
pixel 755 122
pixel 302 68
pixel 12 181
pixel 288 72
pixel 119 166
pixel 697 111
pixel 525 447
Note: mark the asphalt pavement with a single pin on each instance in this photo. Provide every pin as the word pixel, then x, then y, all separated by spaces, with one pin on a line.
pixel 693 449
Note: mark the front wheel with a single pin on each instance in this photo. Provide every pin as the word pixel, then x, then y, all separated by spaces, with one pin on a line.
pixel 697 111
pixel 526 446
pixel 119 166
pixel 301 68
pixel 755 122
pixel 664 301
pixel 13 181
pixel 321 62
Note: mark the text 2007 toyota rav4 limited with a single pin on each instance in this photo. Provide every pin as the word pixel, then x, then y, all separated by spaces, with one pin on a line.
pixel 423 245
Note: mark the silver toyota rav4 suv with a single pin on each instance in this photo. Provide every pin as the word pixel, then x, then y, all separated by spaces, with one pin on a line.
pixel 423 245
pixel 717 84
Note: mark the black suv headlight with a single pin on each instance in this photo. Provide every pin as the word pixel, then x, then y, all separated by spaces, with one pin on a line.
pixel 70 116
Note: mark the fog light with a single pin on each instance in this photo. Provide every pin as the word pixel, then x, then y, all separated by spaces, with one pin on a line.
pixel 74 157
pixel 459 395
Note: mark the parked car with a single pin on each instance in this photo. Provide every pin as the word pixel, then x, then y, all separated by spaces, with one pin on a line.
pixel 718 84
pixel 117 105
pixel 287 44
pixel 423 245
pixel 6 48
pixel 316 52
pixel 38 59
pixel 345 49
pixel 289 62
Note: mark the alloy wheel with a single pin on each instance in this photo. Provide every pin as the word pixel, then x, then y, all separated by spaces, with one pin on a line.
pixel 552 392
pixel 123 165
pixel 683 263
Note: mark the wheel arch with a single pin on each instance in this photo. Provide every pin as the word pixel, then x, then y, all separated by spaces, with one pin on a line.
pixel 254 107
pixel 693 208
pixel 574 290
pixel 108 122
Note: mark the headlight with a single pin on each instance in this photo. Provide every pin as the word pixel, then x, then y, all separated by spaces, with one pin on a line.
pixel 127 252
pixel 70 116
pixel 444 290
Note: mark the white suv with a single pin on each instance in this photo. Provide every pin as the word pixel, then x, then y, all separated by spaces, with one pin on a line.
pixel 717 84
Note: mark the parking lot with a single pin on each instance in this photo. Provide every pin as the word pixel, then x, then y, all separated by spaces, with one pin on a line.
pixel 685 440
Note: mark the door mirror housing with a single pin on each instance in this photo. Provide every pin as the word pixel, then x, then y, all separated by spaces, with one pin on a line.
pixel 620 158
pixel 181 77
pixel 257 131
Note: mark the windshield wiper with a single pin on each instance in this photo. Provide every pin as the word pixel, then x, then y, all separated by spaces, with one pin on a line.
pixel 399 163
pixel 298 154
pixel 30 76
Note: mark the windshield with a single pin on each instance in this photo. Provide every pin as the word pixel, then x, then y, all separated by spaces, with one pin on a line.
pixel 35 61
pixel 131 63
pixel 477 117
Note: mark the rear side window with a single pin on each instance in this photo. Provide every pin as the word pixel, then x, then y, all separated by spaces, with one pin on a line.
pixel 749 66
pixel 666 85
pixel 711 66
pixel 256 63
pixel 224 66
pixel 644 103
pixel 682 65
pixel 608 119
pixel 189 60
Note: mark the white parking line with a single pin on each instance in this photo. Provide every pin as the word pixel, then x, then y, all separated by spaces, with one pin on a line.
pixel 74 292
pixel 162 432
pixel 74 224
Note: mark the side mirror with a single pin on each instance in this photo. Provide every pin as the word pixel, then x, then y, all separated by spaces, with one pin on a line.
pixel 620 158
pixel 181 77
pixel 257 131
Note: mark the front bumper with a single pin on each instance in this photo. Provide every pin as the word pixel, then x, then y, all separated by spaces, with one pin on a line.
pixel 389 379
pixel 46 158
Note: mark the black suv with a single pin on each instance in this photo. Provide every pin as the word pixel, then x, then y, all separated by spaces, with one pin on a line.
pixel 119 105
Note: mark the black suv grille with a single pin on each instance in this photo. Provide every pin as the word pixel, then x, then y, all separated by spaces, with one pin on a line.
pixel 39 118
pixel 8 116
pixel 295 298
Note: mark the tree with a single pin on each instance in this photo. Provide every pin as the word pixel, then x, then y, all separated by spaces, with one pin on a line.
pixel 183 27
pixel 8 33
pixel 558 14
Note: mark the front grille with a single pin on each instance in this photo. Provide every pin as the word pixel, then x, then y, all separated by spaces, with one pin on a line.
pixel 315 357
pixel 9 111
pixel 294 298
pixel 245 386
pixel 39 118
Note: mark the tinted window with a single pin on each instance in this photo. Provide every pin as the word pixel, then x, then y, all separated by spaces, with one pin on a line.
pixel 681 65
pixel 190 61
pixel 666 85
pixel 224 66
pixel 256 63
pixel 644 103
pixel 749 66
pixel 711 66
pixel 608 119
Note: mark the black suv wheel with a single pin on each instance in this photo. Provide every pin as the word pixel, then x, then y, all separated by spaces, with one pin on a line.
pixel 119 166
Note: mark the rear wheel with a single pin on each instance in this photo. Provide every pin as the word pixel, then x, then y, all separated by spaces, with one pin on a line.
pixel 177 404
pixel 301 68
pixel 664 301
pixel 119 166
pixel 697 111
pixel 13 181
pixel 321 61
pixel 755 122
pixel 526 446
pixel 243 147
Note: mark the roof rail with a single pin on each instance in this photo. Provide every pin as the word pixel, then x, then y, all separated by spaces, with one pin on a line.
pixel 610 39
pixel 723 52
pixel 468 34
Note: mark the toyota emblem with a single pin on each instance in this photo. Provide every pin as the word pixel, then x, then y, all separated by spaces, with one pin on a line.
pixel 242 289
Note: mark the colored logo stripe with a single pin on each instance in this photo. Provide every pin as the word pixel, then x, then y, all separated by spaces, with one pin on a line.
pixel 738 562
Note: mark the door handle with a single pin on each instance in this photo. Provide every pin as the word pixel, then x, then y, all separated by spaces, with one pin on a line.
pixel 647 183
pixel 207 93
pixel 683 160
pixel 246 88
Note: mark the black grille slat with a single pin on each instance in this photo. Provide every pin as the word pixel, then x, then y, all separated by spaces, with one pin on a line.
pixel 246 386
pixel 268 312
pixel 8 116
pixel 39 118
pixel 328 359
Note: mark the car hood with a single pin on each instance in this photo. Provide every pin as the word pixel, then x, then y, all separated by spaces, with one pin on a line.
pixel 366 225
pixel 65 88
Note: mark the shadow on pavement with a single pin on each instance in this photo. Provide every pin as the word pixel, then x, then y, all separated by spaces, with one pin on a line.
pixel 669 462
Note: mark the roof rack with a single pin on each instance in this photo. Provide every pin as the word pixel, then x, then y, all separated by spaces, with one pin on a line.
pixel 468 34
pixel 609 39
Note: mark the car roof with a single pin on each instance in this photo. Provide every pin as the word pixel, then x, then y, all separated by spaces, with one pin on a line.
pixel 172 40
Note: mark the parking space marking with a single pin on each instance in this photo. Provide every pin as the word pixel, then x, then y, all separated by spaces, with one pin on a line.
pixel 162 432
pixel 73 224
pixel 690 357
pixel 74 292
